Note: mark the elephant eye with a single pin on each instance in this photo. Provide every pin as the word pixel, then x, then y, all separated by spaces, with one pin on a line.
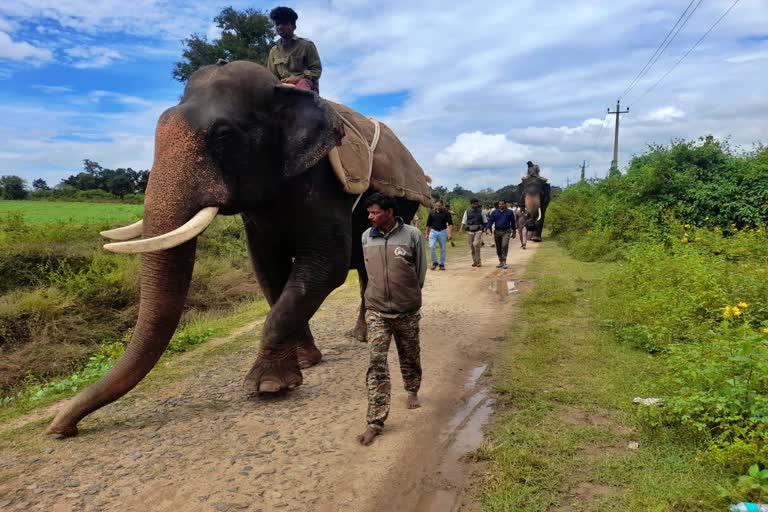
pixel 222 132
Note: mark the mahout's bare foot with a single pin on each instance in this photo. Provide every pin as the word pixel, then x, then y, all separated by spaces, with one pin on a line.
pixel 359 332
pixel 413 401
pixel 368 436
pixel 274 370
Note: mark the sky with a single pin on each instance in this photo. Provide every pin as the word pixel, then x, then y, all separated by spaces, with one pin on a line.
pixel 473 90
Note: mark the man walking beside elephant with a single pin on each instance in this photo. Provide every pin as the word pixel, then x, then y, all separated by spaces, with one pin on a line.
pixel 503 219
pixel 396 265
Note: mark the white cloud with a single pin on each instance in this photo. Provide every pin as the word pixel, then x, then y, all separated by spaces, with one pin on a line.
pixel 88 57
pixel 481 151
pixel 22 51
pixel 7 25
pixel 53 89
pixel 664 114
pixel 213 32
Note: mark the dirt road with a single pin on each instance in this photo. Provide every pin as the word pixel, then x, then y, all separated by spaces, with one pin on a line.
pixel 200 443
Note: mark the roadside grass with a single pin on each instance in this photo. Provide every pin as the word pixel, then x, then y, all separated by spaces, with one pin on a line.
pixel 58 212
pixel 560 439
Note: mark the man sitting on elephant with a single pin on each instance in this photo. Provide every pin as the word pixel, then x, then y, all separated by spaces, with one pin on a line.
pixel 293 60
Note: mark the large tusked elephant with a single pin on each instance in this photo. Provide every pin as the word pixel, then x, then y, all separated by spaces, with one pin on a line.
pixel 239 142
pixel 534 195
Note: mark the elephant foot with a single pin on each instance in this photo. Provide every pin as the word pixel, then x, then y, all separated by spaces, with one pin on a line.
pixel 308 354
pixel 274 370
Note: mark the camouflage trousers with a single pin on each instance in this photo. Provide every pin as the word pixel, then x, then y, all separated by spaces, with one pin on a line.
pixel 381 328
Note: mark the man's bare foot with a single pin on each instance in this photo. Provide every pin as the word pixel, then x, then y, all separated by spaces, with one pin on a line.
pixel 413 401
pixel 368 436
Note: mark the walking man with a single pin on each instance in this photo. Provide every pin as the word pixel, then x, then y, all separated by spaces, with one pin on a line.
pixel 475 220
pixel 503 220
pixel 396 266
pixel 439 231
pixel 293 60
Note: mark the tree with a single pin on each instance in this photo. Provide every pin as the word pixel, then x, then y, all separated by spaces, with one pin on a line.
pixel 13 187
pixel 245 35
pixel 40 184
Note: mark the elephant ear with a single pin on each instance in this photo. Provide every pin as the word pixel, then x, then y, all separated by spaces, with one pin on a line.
pixel 310 128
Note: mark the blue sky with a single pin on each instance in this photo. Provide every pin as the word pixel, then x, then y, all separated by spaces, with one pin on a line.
pixel 474 90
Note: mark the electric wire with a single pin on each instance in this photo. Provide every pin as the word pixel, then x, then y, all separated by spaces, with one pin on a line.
pixel 669 42
pixel 650 62
pixel 665 75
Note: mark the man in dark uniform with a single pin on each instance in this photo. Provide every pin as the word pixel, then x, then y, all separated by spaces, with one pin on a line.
pixel 293 60
pixel 475 220
pixel 439 231
pixel 503 220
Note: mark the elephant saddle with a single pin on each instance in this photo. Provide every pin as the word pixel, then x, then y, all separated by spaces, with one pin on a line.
pixel 372 157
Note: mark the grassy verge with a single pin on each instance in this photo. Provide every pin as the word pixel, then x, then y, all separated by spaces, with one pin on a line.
pixel 563 436
pixel 59 212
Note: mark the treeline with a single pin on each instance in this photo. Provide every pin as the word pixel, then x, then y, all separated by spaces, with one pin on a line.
pixel 93 183
pixel 687 227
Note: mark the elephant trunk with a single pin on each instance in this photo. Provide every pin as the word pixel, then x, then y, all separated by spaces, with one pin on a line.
pixel 183 182
pixel 165 278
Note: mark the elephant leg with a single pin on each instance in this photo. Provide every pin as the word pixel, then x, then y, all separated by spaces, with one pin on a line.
pixel 320 266
pixel 272 264
pixel 360 331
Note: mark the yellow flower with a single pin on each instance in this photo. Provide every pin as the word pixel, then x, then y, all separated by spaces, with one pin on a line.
pixel 698 238
pixel 743 305
pixel 765 330
pixel 736 311
pixel 684 239
pixel 727 312
pixel 687 226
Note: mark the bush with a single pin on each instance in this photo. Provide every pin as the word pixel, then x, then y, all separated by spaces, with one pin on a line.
pixel 688 223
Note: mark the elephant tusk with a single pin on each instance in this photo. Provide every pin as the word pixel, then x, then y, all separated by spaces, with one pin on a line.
pixel 178 236
pixel 539 217
pixel 124 233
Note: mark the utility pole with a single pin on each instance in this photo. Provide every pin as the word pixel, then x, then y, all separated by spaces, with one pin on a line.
pixel 583 170
pixel 615 161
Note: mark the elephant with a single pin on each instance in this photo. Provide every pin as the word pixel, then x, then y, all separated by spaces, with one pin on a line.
pixel 239 142
pixel 535 196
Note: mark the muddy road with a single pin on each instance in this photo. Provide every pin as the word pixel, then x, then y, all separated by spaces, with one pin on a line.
pixel 197 442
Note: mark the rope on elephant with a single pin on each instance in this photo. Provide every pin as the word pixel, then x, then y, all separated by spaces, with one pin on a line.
pixel 371 147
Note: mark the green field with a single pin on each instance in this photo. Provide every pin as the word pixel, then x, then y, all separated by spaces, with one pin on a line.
pixel 54 212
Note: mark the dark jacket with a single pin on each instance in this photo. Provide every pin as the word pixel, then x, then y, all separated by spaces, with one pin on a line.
pixel 504 220
pixel 397 265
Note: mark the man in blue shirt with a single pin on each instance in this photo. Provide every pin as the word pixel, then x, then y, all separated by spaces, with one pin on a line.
pixel 503 219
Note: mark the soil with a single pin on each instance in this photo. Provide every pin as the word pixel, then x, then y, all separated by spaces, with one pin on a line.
pixel 203 444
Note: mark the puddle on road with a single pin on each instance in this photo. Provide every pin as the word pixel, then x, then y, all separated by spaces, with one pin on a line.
pixel 503 287
pixel 463 435
pixel 474 376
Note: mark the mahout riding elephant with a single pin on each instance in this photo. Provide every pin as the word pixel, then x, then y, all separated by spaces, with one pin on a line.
pixel 535 195
pixel 238 142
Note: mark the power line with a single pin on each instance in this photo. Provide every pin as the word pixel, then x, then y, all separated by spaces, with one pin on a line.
pixel 715 24
pixel 649 64
pixel 669 42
